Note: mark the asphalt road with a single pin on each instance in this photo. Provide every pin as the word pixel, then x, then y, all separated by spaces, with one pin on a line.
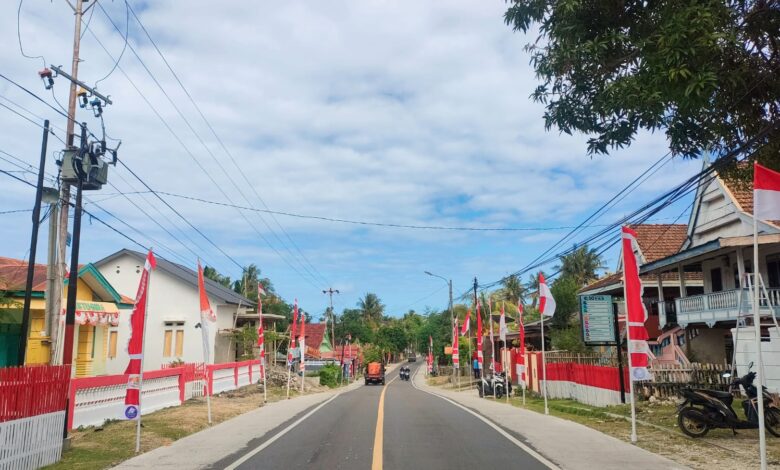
pixel 419 430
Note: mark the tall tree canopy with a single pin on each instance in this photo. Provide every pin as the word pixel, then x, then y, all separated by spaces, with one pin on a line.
pixel 581 265
pixel 371 308
pixel 703 71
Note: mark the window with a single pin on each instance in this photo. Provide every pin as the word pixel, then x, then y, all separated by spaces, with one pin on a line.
pixel 773 271
pixel 112 337
pixel 179 343
pixel 167 343
pixel 716 280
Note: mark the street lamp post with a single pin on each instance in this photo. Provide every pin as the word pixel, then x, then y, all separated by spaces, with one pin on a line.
pixel 452 312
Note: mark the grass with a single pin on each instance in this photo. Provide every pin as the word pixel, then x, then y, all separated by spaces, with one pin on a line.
pixel 114 442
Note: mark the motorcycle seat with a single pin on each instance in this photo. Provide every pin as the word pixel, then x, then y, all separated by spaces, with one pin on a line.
pixel 715 393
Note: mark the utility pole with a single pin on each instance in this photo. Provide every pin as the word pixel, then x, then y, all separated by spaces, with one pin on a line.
pixel 330 293
pixel 36 219
pixel 78 11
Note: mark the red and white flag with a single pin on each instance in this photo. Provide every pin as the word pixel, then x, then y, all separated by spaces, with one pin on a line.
pixel 466 324
pixel 546 300
pixel 520 363
pixel 302 343
pixel 260 328
pixel 480 356
pixel 135 347
pixel 636 313
pixel 766 193
pixel 293 330
pixel 430 353
pixel 455 352
pixel 206 315
pixel 502 329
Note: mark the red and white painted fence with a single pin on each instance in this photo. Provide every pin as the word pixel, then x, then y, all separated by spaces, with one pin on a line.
pixel 97 399
pixel 32 415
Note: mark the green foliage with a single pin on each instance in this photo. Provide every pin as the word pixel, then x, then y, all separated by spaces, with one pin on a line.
pixel 704 71
pixel 211 273
pixel 392 338
pixel 245 339
pixel 371 308
pixel 372 353
pixel 512 290
pixel 330 375
pixel 568 339
pixel 581 265
pixel 564 291
pixel 351 323
pixel 247 285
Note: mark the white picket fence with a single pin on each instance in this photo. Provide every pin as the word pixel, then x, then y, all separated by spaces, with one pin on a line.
pixel 31 443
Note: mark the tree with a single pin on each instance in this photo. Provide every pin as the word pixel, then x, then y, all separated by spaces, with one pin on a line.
pixel 371 308
pixel 532 286
pixel 512 290
pixel 392 338
pixel 581 265
pixel 214 275
pixel 351 323
pixel 703 71
pixel 564 291
pixel 247 285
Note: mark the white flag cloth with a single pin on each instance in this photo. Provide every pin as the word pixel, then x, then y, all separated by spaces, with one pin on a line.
pixel 546 300
pixel 502 331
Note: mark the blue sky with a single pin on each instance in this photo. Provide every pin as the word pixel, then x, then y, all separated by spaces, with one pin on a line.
pixel 399 112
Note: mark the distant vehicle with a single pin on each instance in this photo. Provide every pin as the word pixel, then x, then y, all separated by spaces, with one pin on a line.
pixel 412 358
pixel 375 373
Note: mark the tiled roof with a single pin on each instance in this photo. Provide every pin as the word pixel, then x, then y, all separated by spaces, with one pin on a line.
pixel 658 241
pixel 315 332
pixel 741 192
pixel 13 275
pixel 647 279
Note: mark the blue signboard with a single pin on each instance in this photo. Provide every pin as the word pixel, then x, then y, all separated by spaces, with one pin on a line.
pixel 597 319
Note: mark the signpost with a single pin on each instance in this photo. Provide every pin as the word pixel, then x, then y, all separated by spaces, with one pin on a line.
pixel 596 318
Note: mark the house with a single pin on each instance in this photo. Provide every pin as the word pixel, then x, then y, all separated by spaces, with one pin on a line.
pixel 654 242
pixel 719 244
pixel 99 308
pixel 173 315
pixel 317 341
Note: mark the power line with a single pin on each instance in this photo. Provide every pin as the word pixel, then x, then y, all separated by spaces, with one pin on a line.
pixel 124 48
pixel 224 147
pixel 19 35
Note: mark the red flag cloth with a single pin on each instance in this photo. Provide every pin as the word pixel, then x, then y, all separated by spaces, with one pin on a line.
pixel 260 328
pixel 480 357
pixel 520 364
pixel 430 353
pixel 455 352
pixel 766 193
pixel 636 313
pixel 135 347
pixel 302 343
pixel 466 324
pixel 546 300
pixel 205 308
pixel 293 330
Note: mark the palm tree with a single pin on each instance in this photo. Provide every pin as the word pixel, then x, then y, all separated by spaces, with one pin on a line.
pixel 581 265
pixel 371 308
pixel 513 291
pixel 532 286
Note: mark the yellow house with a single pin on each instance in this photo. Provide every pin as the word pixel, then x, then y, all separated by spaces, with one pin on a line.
pixel 98 307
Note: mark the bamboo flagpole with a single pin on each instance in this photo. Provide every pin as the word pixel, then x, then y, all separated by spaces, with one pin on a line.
pixel 261 338
pixel 502 331
pixel 135 350
pixel 521 367
pixel 546 308
pixel 291 346
pixel 302 346
pixel 206 315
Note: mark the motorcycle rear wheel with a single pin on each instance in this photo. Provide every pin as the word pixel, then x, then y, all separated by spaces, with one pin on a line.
pixel 499 393
pixel 772 420
pixel 691 422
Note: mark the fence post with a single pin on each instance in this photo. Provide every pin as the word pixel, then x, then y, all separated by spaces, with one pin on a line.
pixel 182 384
pixel 235 372
pixel 250 371
pixel 71 403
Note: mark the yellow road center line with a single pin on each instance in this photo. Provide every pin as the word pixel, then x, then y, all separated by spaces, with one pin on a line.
pixel 376 463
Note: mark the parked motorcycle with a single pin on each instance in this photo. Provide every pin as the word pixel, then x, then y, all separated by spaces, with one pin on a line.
pixel 493 385
pixel 702 409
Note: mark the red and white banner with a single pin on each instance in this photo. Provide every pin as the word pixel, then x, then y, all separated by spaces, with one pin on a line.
pixel 135 347
pixel 293 330
pixel 430 354
pixel 520 365
pixel 466 324
pixel 635 308
pixel 206 315
pixel 260 327
pixel 766 193
pixel 302 343
pixel 546 300
pixel 455 351
pixel 480 357
pixel 502 329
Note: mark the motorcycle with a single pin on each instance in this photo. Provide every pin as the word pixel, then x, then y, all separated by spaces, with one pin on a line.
pixel 404 373
pixel 494 385
pixel 701 410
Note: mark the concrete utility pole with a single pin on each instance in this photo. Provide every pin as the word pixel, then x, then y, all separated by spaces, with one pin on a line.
pixel 330 293
pixel 61 257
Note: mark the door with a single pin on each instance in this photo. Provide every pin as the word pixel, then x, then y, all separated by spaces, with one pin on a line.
pixel 38 346
pixel 716 280
pixel 86 350
pixel 9 344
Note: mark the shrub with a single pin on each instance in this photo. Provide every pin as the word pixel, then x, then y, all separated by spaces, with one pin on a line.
pixel 330 375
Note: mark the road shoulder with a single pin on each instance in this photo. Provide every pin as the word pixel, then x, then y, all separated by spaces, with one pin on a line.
pixel 569 445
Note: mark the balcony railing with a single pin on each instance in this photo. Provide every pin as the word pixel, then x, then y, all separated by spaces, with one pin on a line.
pixel 720 306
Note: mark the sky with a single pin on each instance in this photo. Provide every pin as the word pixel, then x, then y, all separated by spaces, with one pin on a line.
pixel 397 112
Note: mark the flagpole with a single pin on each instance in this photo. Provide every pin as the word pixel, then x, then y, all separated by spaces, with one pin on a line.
pixel 289 363
pixel 759 359
pixel 141 373
pixel 544 370
pixel 631 378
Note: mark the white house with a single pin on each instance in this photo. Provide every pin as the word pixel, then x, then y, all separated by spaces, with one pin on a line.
pixel 172 327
